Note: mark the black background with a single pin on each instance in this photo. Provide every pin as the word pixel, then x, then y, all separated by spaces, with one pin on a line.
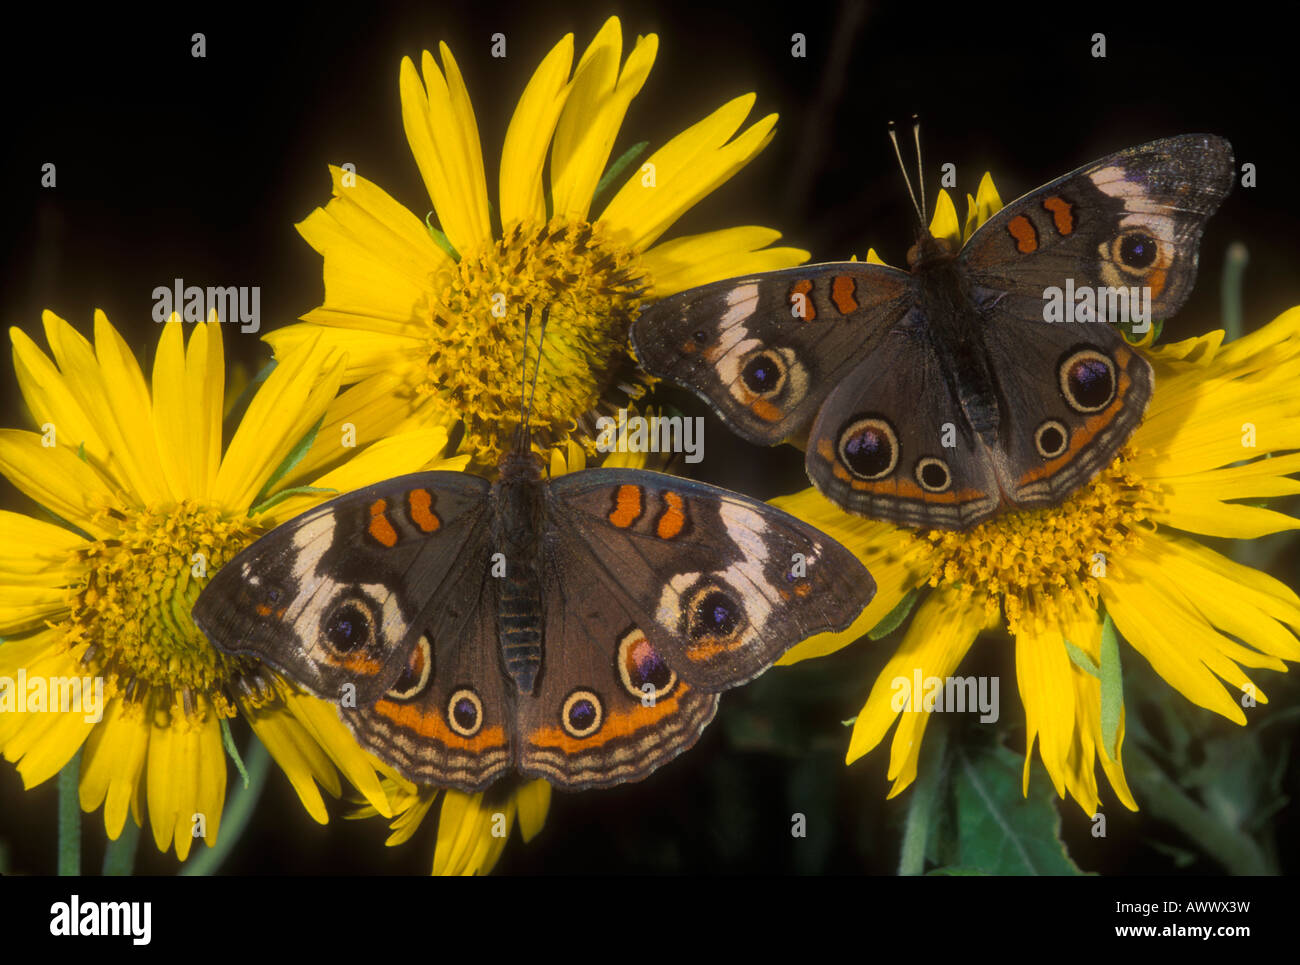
pixel 170 166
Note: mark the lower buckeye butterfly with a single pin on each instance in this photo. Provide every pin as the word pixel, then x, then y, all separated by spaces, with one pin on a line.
pixel 577 629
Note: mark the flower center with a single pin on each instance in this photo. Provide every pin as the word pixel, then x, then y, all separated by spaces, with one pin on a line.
pixel 135 606
pixel 591 289
pixel 1026 562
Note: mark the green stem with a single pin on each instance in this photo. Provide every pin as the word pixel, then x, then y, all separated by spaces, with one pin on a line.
pixel 238 814
pixel 70 818
pixel 1234 850
pixel 119 855
pixel 925 795
pixel 1234 271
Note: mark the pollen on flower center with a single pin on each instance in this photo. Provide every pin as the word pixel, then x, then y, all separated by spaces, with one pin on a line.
pixel 592 289
pixel 1040 555
pixel 135 605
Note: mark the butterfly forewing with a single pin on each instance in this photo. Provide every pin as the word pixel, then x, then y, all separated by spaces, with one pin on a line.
pixel 339 595
pixel 765 350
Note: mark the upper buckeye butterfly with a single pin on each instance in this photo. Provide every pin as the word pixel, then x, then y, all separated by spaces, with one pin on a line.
pixel 940 396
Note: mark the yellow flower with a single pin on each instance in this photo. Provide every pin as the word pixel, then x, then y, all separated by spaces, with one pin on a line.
pixel 434 328
pixel 149 509
pixel 1223 426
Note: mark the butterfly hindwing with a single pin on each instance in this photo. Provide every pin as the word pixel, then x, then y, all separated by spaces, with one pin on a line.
pixel 918 465
pixel 607 708
pixel 764 350
pixel 720 584
pixel 447 719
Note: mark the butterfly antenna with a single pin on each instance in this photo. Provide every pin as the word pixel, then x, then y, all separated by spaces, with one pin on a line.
pixel 541 338
pixel 920 168
pixel 893 139
pixel 522 430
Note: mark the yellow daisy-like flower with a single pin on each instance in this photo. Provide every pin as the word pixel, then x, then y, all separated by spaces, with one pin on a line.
pixel 1222 426
pixel 150 508
pixel 434 328
pixel 473 828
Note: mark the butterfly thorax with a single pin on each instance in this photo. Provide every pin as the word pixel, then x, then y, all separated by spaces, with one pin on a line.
pixel 929 251
pixel 519 503
pixel 954 325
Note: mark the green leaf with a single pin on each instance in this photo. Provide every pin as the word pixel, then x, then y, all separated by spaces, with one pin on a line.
pixel 292 459
pixel 617 168
pixel 81 451
pixel 1000 831
pixel 1081 659
pixel 894 618
pixel 1112 688
pixel 440 239
pixel 1126 329
pixel 232 750
pixel 957 870
pixel 284 494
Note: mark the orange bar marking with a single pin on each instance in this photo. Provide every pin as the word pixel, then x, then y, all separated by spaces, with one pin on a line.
pixel 1022 229
pixel 380 528
pixel 674 516
pixel 843 288
pixel 420 502
pixel 804 287
pixel 627 506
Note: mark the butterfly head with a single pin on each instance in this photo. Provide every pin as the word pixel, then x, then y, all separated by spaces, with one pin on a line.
pixel 928 251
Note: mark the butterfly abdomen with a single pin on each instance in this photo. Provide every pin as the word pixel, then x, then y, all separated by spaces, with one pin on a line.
pixel 954 326
pixel 520 507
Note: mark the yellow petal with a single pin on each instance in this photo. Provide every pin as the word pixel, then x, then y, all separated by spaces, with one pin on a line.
pixel 111 763
pixel 940 634
pixel 299 756
pixel 321 720
pixel 529 135
pixel 593 113
pixel 50 400
pixel 1171 641
pixel 55 478
pixel 291 400
pixel 127 423
pixel 689 167
pixel 534 800
pixel 441 130
pixel 1043 676
pixel 205 374
pixel 36 553
pixel 378 255
pixel 699 259
pixel 944 224
pixel 177 420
